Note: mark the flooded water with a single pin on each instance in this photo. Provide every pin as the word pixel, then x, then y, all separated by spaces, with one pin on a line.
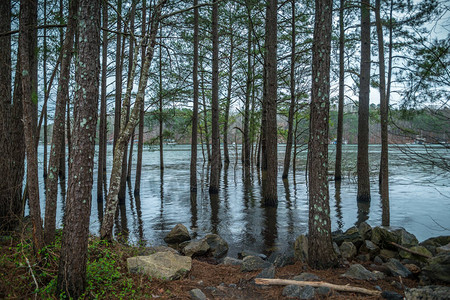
pixel 419 201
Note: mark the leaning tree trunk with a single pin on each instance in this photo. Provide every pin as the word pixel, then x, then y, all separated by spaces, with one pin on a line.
pixel 384 163
pixel 106 231
pixel 74 247
pixel 287 156
pixel 59 127
pixel 363 111
pixel 270 178
pixel 27 55
pixel 320 250
pixel 215 139
pixel 193 166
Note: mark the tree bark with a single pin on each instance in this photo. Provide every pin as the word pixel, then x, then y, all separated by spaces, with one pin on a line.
pixel 228 99
pixel 270 175
pixel 102 130
pixel 161 104
pixel 248 86
pixel 205 114
pixel 384 160
pixel 72 267
pixel 44 108
pixel 340 121
pixel 28 13
pixel 215 138
pixel 320 250
pixel 193 165
pixel 287 156
pixel 127 128
pixel 363 111
pixel 58 135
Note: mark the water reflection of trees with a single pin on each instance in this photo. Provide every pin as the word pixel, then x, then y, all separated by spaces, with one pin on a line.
pixel 338 204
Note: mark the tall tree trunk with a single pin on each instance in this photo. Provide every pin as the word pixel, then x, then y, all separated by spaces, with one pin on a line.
pixel 58 127
pixel 73 259
pixel 205 114
pixel 246 143
pixel 320 250
pixel 384 163
pixel 193 166
pixel 340 121
pixel 127 128
pixel 137 184
pixel 161 138
pixel 102 130
pixel 270 178
pixel 215 138
pixel 363 111
pixel 11 130
pixel 287 156
pixel 228 101
pixel 44 108
pixel 28 15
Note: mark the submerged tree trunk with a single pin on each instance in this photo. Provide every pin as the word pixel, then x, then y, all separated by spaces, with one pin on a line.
pixel 205 114
pixel 73 259
pixel 270 178
pixel 340 121
pixel 320 249
pixel 384 163
pixel 287 156
pixel 363 111
pixel 28 15
pixel 126 129
pixel 215 139
pixel 193 166
pixel 58 127
pixel 161 138
pixel 228 99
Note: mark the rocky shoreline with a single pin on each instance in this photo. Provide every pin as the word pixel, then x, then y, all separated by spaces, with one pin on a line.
pixel 368 254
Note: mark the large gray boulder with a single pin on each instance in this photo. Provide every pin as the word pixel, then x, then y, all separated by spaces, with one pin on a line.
pixel 438 267
pixel 301 248
pixel 365 230
pixel 177 235
pixel 370 248
pixel 432 243
pixel 164 265
pixel 397 268
pixel 218 246
pixel 445 248
pixel 405 238
pixel 231 261
pixel 352 235
pixel 253 263
pixel 418 249
pixel 430 292
pixel 357 271
pixel 382 236
pixel 195 248
pixel 348 250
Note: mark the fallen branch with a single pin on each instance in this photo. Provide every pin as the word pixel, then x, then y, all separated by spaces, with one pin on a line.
pixel 410 251
pixel 343 288
pixel 32 274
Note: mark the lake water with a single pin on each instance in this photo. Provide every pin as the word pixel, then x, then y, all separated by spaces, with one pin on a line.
pixel 419 201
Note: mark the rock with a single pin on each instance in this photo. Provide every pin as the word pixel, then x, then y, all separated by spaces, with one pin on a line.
pixel 397 285
pixel 245 253
pixel 405 238
pixel 348 250
pixel 324 291
pixel 306 277
pixel 218 246
pixel 307 292
pixel 291 291
pixel 336 250
pixel 177 235
pixel 351 235
pixel 396 268
pixel 363 257
pixel 432 243
pixel 381 237
pixel 379 275
pixel 151 250
pixel 430 292
pixel 365 230
pixel 413 268
pixel 377 260
pixel 391 295
pixel 197 294
pixel 445 248
pixel 301 248
pixel 386 254
pixel 164 265
pixel 230 261
pixel 438 267
pixel 253 263
pixel 419 249
pixel 267 273
pixel 282 259
pixel 370 248
pixel 357 271
pixel 196 248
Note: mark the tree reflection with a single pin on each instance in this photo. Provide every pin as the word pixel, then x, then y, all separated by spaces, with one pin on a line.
pixel 337 196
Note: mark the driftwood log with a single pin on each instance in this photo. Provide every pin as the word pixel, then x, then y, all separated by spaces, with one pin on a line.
pixel 343 288
pixel 410 251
